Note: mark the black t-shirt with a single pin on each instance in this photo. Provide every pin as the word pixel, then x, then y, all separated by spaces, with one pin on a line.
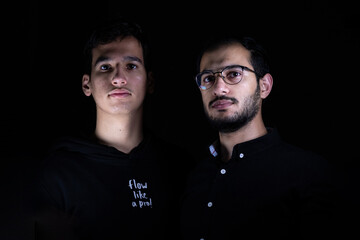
pixel 86 190
pixel 268 189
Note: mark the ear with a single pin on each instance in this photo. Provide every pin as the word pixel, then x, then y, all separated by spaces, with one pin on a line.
pixel 266 83
pixel 150 82
pixel 86 85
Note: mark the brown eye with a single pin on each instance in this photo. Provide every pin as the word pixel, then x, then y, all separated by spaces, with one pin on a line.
pixel 131 66
pixel 234 74
pixel 105 67
pixel 208 79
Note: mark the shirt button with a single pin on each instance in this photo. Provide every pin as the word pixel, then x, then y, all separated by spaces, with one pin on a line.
pixel 210 204
pixel 241 155
pixel 222 171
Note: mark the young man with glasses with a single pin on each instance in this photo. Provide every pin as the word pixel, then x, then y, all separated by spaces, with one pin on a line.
pixel 251 184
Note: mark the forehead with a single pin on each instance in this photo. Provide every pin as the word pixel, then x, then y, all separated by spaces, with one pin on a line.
pixel 128 46
pixel 232 54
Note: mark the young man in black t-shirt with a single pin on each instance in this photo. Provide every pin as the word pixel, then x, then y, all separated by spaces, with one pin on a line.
pixel 118 182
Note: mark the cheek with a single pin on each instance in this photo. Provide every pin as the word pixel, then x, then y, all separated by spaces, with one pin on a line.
pixel 248 87
pixel 138 84
pixel 98 85
pixel 205 99
pixel 243 91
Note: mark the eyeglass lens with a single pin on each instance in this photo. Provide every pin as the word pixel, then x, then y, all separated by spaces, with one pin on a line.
pixel 231 75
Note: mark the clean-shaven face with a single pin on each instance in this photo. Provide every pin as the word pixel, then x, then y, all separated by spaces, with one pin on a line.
pixel 118 79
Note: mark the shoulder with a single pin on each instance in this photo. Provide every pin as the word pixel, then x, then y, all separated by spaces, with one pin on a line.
pixel 302 164
pixel 299 154
pixel 65 153
pixel 280 149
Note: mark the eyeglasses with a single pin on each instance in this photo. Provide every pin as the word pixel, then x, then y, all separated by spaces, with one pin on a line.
pixel 231 75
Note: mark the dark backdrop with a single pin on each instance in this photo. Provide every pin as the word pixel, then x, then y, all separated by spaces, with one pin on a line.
pixel 313 47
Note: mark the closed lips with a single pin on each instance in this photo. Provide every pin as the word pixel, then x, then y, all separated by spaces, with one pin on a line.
pixel 221 103
pixel 119 92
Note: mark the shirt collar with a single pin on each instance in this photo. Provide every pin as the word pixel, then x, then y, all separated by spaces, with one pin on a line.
pixel 255 145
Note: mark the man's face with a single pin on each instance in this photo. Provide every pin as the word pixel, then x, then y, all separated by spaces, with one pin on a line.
pixel 230 107
pixel 118 81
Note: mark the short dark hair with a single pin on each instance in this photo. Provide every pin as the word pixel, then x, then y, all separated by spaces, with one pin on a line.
pixel 259 58
pixel 109 30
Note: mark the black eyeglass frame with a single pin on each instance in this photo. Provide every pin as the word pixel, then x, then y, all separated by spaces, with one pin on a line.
pixel 198 76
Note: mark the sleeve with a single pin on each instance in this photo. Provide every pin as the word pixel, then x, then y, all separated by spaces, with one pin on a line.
pixel 50 221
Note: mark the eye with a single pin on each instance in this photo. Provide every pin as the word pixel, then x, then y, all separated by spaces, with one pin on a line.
pixel 234 74
pixel 105 67
pixel 208 79
pixel 131 66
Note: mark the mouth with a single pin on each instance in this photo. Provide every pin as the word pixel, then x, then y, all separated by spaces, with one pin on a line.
pixel 120 93
pixel 222 103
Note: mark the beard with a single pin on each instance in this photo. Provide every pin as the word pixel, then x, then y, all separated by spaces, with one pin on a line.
pixel 251 106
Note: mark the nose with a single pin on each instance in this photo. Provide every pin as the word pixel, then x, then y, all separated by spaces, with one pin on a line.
pixel 119 77
pixel 220 87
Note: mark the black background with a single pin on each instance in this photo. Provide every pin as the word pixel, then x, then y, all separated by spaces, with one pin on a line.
pixel 314 48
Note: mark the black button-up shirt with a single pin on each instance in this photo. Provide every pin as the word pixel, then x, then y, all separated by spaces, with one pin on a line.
pixel 267 189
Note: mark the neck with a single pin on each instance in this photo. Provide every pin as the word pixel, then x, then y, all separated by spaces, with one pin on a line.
pixel 252 130
pixel 124 132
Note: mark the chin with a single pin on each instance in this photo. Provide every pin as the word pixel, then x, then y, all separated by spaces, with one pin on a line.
pixel 220 115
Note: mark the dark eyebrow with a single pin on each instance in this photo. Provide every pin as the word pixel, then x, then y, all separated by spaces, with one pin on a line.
pixel 133 58
pixel 100 59
pixel 222 68
pixel 126 58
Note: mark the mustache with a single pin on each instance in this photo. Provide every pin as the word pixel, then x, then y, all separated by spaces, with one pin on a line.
pixel 234 100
